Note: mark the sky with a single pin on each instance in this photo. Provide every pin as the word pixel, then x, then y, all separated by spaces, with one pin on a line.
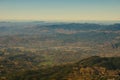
pixel 60 10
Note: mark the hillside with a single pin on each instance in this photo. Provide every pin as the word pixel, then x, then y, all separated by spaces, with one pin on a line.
pixel 97 68
pixel 108 63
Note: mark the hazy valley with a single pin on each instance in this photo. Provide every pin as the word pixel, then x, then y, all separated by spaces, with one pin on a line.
pixel 34 50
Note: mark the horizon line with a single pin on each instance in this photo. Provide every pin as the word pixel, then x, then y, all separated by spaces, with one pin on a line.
pixel 19 20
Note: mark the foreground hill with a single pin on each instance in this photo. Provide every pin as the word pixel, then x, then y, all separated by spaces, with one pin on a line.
pixel 92 68
pixel 108 63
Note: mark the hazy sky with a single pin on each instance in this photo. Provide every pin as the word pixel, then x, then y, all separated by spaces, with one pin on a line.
pixel 61 10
